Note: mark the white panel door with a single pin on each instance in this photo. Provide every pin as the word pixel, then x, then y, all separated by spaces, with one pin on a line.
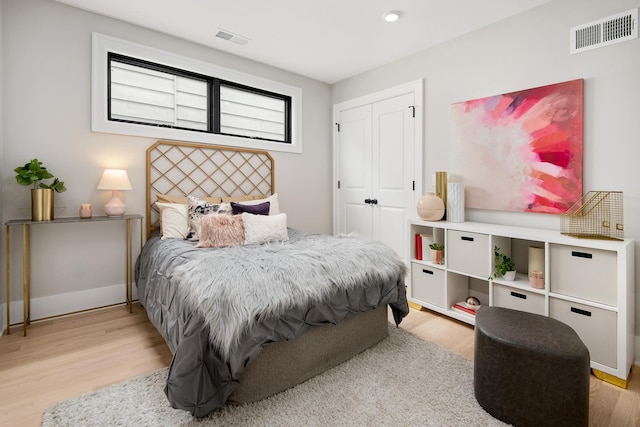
pixel 354 146
pixel 393 172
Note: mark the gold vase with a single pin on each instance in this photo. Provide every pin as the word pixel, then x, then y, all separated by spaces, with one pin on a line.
pixel 441 189
pixel 41 204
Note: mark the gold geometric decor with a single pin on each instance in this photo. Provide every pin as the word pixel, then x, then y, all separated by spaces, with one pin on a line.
pixel 204 170
pixel 597 215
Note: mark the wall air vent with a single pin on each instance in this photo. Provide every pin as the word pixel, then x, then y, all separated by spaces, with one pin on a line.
pixel 603 32
pixel 229 36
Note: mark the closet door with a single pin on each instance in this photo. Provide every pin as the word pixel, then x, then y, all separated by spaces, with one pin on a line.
pixel 393 170
pixel 355 170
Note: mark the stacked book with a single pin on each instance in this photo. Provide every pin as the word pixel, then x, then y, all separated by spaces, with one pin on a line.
pixel 463 307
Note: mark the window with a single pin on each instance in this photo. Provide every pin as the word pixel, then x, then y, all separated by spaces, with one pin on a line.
pixel 254 114
pixel 141 91
pixel 146 93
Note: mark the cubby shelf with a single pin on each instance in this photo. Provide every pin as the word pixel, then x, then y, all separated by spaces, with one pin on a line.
pixel 588 284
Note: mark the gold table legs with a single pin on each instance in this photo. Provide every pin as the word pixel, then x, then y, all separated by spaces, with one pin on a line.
pixel 26 278
pixel 26 261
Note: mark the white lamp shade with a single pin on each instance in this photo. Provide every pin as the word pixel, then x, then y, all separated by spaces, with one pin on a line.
pixel 114 179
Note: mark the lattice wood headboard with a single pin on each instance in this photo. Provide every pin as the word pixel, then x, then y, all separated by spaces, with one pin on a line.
pixel 203 170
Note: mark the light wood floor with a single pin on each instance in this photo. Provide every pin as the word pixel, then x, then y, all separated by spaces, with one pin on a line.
pixel 66 357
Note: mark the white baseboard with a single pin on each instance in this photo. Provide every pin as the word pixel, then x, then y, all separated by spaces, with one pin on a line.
pixel 71 302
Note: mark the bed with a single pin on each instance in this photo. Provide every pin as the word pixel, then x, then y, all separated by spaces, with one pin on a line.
pixel 245 321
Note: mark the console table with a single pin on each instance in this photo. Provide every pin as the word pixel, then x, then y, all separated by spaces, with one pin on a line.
pixel 26 257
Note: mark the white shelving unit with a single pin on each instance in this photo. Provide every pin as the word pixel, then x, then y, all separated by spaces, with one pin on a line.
pixel 588 283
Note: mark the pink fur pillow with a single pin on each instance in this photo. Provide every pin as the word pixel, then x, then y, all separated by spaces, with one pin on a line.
pixel 220 230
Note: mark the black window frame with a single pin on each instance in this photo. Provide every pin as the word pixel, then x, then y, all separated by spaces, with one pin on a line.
pixel 213 98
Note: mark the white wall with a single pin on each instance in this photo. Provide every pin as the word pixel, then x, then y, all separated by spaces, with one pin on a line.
pixel 47 78
pixel 527 51
pixel 3 296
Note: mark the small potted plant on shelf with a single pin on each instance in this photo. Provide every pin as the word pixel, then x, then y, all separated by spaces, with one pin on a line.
pixel 32 174
pixel 503 266
pixel 437 253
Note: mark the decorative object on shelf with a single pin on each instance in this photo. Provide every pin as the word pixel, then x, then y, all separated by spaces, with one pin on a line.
pixel 464 308
pixel 508 141
pixel 536 267
pixel 437 253
pixel 473 301
pixel 597 215
pixel 114 180
pixel 455 202
pixel 85 211
pixel 503 266
pixel 536 279
pixel 430 207
pixel 31 174
pixel 469 306
pixel 422 242
pixel 441 190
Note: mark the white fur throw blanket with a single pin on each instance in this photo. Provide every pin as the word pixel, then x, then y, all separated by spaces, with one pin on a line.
pixel 234 288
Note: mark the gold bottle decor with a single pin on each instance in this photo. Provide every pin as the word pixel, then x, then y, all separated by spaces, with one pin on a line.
pixel 41 204
pixel 441 189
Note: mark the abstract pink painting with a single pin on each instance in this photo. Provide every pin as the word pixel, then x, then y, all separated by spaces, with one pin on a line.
pixel 521 151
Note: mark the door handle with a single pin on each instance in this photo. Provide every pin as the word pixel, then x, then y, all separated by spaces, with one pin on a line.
pixel 367 201
pixel 374 201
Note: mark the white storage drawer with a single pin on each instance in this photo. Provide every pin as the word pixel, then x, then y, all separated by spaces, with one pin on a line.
pixel 596 327
pixel 468 253
pixel 517 299
pixel 427 284
pixel 584 273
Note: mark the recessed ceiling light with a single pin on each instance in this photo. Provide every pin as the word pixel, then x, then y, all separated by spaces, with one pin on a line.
pixel 391 16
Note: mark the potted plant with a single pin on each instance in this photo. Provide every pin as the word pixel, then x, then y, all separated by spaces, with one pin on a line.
pixel 32 174
pixel 437 253
pixel 503 266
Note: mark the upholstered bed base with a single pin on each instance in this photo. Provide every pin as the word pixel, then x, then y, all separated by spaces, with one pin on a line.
pixel 282 365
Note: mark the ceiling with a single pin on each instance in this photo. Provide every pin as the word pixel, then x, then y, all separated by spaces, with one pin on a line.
pixel 326 40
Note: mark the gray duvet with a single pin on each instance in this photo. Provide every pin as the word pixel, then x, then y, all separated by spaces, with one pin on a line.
pixel 217 307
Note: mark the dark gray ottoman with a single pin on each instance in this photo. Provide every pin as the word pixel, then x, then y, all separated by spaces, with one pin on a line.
pixel 530 370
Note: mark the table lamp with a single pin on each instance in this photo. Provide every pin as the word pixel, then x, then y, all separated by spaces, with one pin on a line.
pixel 114 180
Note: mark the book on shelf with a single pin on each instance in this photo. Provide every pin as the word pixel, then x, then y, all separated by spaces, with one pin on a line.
pixel 465 308
pixel 422 242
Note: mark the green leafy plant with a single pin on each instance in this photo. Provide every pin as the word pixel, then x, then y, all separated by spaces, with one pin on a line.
pixel 32 173
pixel 436 246
pixel 502 264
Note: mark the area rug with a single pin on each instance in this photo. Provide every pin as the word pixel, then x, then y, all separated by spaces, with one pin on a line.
pixel 403 380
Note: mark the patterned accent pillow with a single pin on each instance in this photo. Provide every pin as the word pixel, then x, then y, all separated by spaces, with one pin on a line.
pixel 220 230
pixel 199 208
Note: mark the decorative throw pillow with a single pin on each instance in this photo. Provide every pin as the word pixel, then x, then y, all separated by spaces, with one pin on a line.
pixel 241 198
pixel 199 208
pixel 168 198
pixel 274 208
pixel 174 220
pixel 259 209
pixel 264 228
pixel 220 230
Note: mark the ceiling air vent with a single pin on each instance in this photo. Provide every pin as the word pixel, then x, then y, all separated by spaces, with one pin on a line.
pixel 229 36
pixel 603 32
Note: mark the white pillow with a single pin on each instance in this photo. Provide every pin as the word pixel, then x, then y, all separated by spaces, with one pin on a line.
pixel 274 208
pixel 264 228
pixel 175 220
